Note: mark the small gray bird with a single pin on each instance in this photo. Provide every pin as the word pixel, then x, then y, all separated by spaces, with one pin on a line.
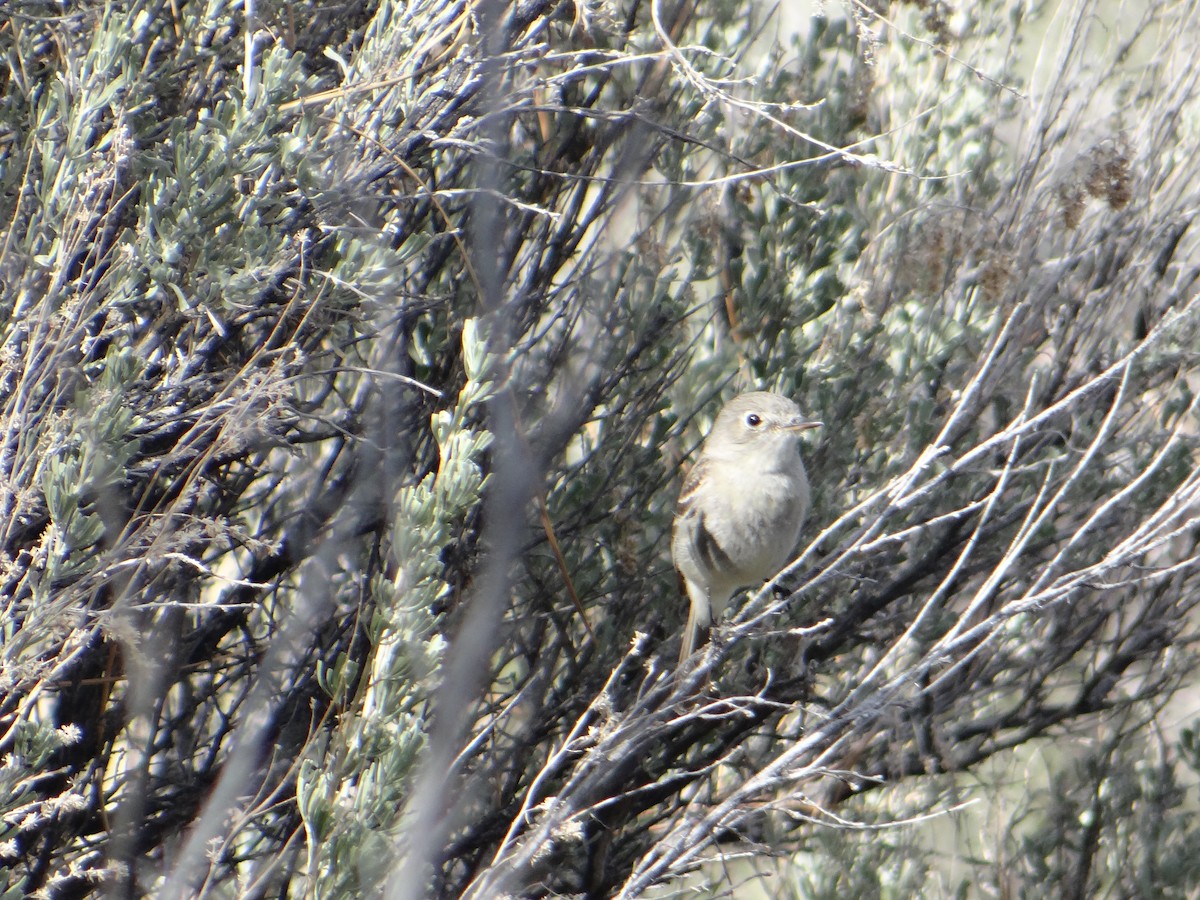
pixel 742 506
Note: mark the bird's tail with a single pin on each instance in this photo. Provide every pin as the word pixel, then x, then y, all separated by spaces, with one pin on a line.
pixel 695 634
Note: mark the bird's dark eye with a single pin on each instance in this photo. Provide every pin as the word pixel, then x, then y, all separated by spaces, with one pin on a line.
pixel 754 420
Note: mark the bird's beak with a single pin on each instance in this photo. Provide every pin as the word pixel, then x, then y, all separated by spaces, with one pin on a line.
pixel 802 425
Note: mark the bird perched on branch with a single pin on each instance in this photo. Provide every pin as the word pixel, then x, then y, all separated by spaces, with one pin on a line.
pixel 742 506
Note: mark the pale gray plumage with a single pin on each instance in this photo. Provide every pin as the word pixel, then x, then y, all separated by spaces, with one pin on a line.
pixel 742 506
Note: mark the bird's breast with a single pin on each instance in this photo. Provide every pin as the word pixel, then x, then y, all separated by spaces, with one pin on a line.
pixel 756 517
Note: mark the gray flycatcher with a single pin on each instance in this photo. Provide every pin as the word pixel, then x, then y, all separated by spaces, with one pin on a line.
pixel 741 508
